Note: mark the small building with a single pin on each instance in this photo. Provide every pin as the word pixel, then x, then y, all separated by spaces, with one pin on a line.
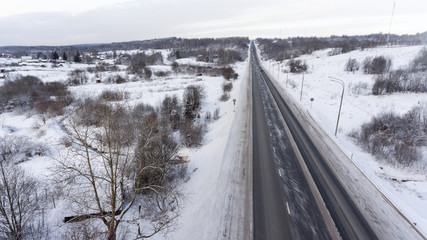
pixel 26 58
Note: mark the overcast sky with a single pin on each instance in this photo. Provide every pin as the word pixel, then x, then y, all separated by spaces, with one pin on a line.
pixel 64 22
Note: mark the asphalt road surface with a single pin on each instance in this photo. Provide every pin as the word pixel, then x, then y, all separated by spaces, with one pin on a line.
pixel 283 204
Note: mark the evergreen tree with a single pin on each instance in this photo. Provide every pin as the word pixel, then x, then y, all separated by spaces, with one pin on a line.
pixel 64 56
pixel 77 58
pixel 55 56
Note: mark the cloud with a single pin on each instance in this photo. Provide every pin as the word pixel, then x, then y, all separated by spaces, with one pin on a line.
pixel 146 19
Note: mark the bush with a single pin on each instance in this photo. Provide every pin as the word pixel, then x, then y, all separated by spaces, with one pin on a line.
pixel 297 66
pixel 170 105
pixel 117 78
pixel 352 65
pixel 377 65
pixel 420 62
pixel 108 95
pixel 224 97
pixel 400 81
pixel 192 134
pixel 157 153
pixel 171 110
pixel 228 73
pixel 55 108
pixel 161 74
pixel 192 98
pixel 29 90
pixel 148 73
pixel 359 88
pixel 175 66
pixel 216 114
pixel 139 61
pixel 19 149
pixel 396 139
pixel 227 87
pixel 90 112
pixel 208 116
pixel 77 77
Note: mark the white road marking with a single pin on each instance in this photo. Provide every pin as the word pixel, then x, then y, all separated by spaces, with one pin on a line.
pixel 280 172
pixel 287 206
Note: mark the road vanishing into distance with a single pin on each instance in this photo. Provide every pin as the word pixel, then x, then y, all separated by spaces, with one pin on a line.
pixel 284 203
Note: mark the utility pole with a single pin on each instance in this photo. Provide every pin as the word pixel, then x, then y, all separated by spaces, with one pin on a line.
pixel 342 96
pixel 287 79
pixel 302 86
pixel 391 21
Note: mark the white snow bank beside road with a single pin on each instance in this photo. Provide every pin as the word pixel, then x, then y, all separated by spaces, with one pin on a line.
pixel 217 190
pixel 406 188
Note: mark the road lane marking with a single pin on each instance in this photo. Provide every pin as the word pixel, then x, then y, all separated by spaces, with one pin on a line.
pixel 280 172
pixel 287 206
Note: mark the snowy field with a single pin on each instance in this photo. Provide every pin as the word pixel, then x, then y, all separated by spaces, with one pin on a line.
pixel 212 183
pixel 406 188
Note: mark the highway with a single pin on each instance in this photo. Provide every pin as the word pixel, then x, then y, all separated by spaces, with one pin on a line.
pixel 284 204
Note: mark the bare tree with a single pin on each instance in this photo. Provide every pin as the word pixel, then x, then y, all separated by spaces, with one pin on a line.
pixel 102 162
pixel 192 98
pixel 352 65
pixel 19 204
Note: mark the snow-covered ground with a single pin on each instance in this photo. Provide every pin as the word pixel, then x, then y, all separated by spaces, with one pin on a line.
pixel 215 191
pixel 405 187
pixel 218 190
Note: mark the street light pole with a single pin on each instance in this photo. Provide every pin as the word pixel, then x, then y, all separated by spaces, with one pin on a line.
pixel 342 96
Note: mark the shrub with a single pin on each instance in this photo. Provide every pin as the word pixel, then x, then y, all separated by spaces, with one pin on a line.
pixel 161 74
pixel 19 149
pixel 90 112
pixel 170 105
pixel 359 88
pixel 109 95
pixel 227 87
pixel 297 66
pixel 29 90
pixel 192 98
pixel 171 110
pixel 148 73
pixel 192 134
pixel 396 139
pixel 352 65
pixel 228 73
pixel 55 108
pixel 216 114
pixel 400 81
pixel 117 78
pixel 208 116
pixel 224 97
pixel 77 77
pixel 420 62
pixel 157 153
pixel 377 65
pixel 175 66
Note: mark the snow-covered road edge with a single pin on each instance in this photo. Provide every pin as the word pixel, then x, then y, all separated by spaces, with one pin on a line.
pixel 219 193
pixel 386 220
pixel 237 217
